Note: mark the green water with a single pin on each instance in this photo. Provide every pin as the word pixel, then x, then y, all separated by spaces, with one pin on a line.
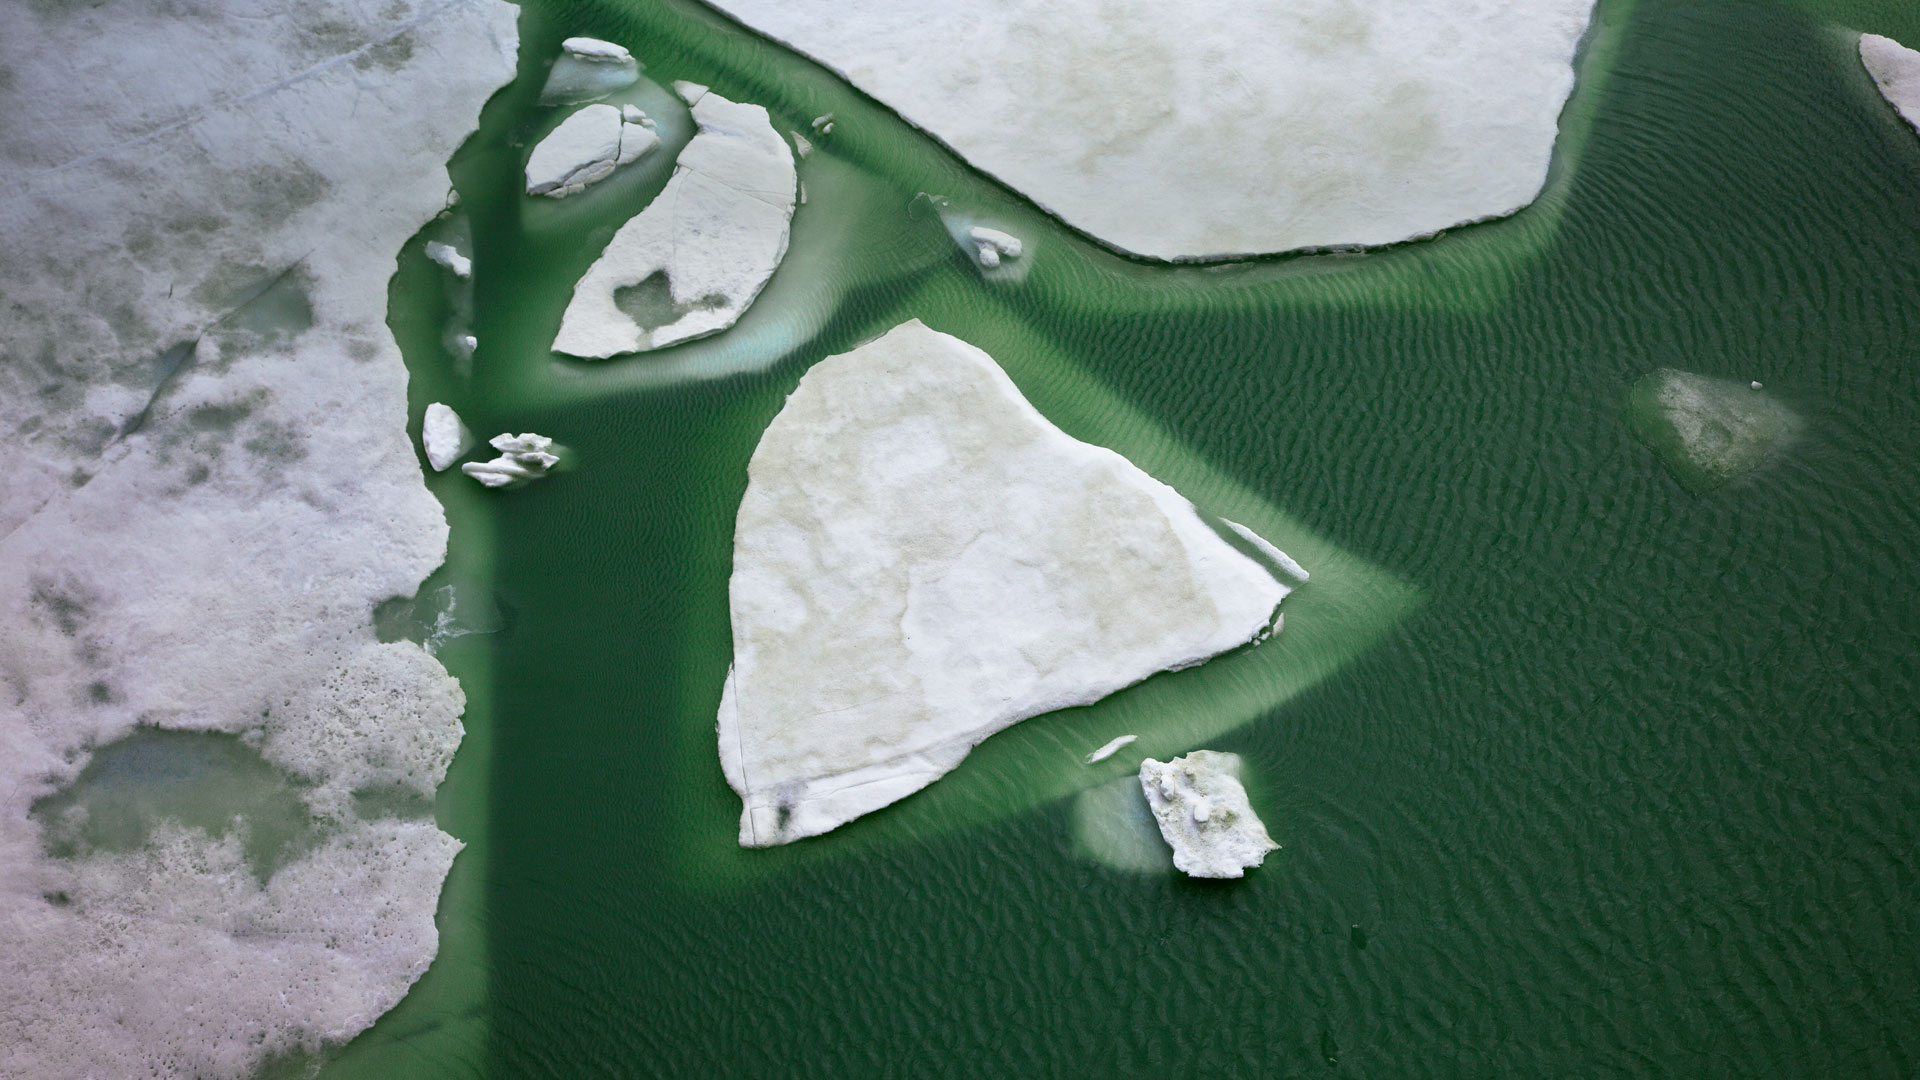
pixel 1577 773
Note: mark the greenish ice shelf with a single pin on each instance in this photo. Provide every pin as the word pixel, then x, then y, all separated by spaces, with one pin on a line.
pixel 1581 766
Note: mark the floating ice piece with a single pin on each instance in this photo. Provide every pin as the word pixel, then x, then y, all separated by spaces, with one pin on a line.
pixel 1310 123
pixel 716 233
pixel 596 51
pixel 822 123
pixel 449 256
pixel 1707 431
pixel 443 436
pixel 801 145
pixel 992 245
pixel 586 148
pixel 921 559
pixel 588 68
pixel 1896 71
pixel 1204 814
pixel 1110 749
pixel 523 458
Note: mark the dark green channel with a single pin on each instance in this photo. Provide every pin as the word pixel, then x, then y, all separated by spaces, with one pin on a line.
pixel 1577 774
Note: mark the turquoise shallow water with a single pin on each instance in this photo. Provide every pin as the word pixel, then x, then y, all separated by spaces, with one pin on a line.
pixel 1603 778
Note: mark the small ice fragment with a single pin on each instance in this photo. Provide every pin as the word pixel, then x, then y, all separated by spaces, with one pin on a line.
pixel 522 458
pixel 1204 815
pixel 1110 749
pixel 596 51
pixel 690 92
pixel 1755 384
pixel 821 123
pixel 801 144
pixel 463 345
pixel 449 256
pixel 633 114
pixel 443 436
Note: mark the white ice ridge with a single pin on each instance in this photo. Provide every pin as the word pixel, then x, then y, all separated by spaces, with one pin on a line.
pixel 1220 127
pixel 1204 814
pixel 523 458
pixel 1896 71
pixel 1111 748
pixel 596 51
pixel 716 233
pixel 921 560
pixel 443 436
pixel 586 148
pixel 218 489
pixel 588 68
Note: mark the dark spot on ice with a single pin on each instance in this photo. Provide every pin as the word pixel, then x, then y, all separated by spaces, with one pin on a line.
pixel 389 55
pixel 651 305
pixel 100 693
pixel 65 602
pixel 274 441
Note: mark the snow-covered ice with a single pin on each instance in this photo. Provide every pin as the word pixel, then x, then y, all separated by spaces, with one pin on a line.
pixel 1896 71
pixel 443 436
pixel 1204 814
pixel 921 559
pixel 586 148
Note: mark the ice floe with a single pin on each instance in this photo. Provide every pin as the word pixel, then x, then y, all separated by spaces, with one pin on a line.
pixel 449 256
pixel 1896 71
pixel 921 559
pixel 218 497
pixel 1204 814
pixel 1220 127
pixel 1111 748
pixel 586 69
pixel 706 244
pixel 586 148
pixel 523 458
pixel 443 436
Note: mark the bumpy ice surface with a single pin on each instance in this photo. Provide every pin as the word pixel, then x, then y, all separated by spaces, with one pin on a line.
pixel 921 560
pixel 214 488
pixel 1218 126
pixel 1204 815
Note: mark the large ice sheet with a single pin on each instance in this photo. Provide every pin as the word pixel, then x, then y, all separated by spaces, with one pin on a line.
pixel 1896 70
pixel 1218 126
pixel 716 233
pixel 921 559
pixel 212 489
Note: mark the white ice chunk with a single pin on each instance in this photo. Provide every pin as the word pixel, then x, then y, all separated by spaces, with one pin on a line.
pixel 1006 245
pixel 717 233
pixel 449 256
pixel 523 458
pixel 596 51
pixel 1204 814
pixel 1109 749
pixel 1896 70
pixel 921 560
pixel 1220 126
pixel 443 436
pixel 586 148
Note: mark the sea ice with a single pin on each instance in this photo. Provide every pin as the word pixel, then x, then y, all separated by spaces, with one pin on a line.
pixel 1204 814
pixel 921 560
pixel 992 245
pixel 1708 431
pixel 1896 70
pixel 1220 127
pixel 523 458
pixel 443 436
pixel 716 234
pixel 586 148
pixel 449 256
pixel 203 208
pixel 1111 748
pixel 586 69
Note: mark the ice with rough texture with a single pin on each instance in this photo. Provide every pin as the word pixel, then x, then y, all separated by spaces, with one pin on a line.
pixel 443 436
pixel 523 458
pixel 992 245
pixel 716 233
pixel 203 208
pixel 1220 127
pixel 921 560
pixel 1896 71
pixel 596 51
pixel 1708 431
pixel 586 148
pixel 1204 814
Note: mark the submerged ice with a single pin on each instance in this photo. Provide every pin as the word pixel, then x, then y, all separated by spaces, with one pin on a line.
pixel 1708 431
pixel 921 560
